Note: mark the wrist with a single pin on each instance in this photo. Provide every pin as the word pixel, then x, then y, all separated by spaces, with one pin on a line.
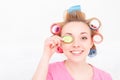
pixel 45 57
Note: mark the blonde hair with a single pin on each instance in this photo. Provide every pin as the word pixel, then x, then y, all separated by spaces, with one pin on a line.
pixel 78 16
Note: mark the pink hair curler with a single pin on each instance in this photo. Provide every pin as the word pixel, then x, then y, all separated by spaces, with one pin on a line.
pixel 98 38
pixel 94 24
pixel 55 29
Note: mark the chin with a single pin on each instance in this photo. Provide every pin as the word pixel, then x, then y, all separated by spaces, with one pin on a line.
pixel 77 60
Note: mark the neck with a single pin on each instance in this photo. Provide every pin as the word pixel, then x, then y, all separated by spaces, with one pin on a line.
pixel 76 66
pixel 79 71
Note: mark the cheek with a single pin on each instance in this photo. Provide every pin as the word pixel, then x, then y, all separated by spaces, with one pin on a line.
pixel 88 46
pixel 91 43
pixel 66 47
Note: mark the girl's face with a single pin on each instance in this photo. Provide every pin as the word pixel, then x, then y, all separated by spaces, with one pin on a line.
pixel 79 48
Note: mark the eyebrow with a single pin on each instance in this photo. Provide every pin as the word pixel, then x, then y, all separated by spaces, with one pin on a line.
pixel 68 33
pixel 83 33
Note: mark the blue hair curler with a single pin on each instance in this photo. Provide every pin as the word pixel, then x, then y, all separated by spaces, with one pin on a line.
pixel 74 8
pixel 92 53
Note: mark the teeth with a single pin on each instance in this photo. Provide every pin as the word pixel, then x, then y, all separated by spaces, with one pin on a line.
pixel 76 52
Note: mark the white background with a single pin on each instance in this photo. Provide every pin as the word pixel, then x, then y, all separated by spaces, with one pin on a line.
pixel 24 25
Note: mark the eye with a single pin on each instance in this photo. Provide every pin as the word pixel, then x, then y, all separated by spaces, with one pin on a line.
pixel 84 38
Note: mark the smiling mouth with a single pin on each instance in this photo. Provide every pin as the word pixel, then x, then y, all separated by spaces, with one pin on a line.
pixel 77 53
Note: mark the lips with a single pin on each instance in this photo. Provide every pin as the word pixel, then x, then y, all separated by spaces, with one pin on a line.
pixel 77 52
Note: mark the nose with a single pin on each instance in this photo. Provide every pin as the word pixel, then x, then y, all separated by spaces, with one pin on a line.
pixel 76 43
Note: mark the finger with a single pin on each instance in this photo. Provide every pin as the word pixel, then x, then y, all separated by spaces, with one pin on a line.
pixel 55 41
pixel 52 44
pixel 58 41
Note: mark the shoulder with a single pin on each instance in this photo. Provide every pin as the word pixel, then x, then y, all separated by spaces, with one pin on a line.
pixel 57 71
pixel 56 66
pixel 101 74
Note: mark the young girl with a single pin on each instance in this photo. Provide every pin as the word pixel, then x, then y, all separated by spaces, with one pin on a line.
pixel 75 37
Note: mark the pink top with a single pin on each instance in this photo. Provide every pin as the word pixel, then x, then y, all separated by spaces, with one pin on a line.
pixel 57 71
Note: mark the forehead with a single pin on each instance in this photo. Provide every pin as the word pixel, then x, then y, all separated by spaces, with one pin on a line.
pixel 75 27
